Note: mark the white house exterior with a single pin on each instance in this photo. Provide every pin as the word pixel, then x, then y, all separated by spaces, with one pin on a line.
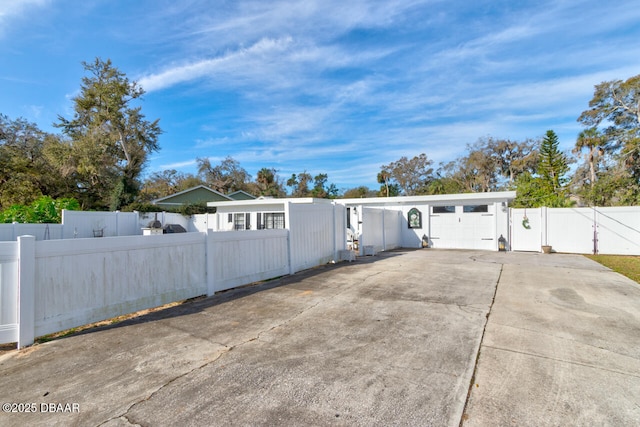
pixel 257 214
pixel 460 221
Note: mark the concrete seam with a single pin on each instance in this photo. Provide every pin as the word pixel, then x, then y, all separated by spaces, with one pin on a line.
pixel 475 366
pixel 559 338
pixel 586 365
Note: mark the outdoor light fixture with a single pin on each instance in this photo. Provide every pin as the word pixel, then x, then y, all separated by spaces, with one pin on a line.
pixel 502 243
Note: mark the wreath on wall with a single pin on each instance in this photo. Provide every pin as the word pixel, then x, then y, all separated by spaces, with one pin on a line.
pixel 525 221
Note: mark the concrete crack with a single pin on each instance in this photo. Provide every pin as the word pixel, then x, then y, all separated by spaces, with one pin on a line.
pixel 171 381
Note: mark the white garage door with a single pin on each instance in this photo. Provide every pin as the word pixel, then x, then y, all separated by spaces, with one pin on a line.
pixel 463 227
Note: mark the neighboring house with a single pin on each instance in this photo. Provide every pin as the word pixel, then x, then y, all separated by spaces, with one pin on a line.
pixel 199 194
pixel 240 195
pixel 461 221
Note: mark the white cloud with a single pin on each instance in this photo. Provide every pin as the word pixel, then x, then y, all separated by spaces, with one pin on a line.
pixel 209 67
pixel 14 10
pixel 178 165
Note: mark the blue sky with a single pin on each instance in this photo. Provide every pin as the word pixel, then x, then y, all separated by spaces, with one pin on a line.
pixel 327 86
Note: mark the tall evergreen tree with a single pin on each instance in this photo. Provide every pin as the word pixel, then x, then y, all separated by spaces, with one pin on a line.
pixel 553 164
pixel 110 137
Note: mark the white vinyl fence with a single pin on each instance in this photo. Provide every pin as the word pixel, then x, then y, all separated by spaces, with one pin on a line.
pixel 82 224
pixel 607 230
pixel 240 257
pixel 49 286
pixel 381 229
pixel 10 232
pixel 8 292
pixel 318 232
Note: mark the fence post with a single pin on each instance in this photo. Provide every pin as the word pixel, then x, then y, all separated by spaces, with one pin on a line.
pixel 26 290
pixel 544 218
pixel 209 264
pixel 287 221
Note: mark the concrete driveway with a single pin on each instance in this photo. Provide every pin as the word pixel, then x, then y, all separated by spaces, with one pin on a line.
pixel 393 339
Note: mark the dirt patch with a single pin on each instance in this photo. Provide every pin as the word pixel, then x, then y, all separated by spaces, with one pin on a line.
pixel 6 348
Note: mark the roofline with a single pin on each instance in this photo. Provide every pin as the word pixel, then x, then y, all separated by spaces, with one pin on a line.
pixel 241 191
pixel 494 196
pixel 274 201
pixel 435 198
pixel 188 190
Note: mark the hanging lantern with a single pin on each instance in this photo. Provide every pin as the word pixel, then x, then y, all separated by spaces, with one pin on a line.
pixel 502 243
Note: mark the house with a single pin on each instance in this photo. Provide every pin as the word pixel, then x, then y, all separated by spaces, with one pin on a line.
pixel 456 221
pixel 256 214
pixel 460 221
pixel 241 195
pixel 199 194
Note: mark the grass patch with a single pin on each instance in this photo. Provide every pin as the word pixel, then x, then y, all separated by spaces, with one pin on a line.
pixel 627 265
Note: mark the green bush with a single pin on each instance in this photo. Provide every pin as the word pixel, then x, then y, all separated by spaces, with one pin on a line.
pixel 42 210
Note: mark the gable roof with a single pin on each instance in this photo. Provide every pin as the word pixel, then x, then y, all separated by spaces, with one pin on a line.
pixel 241 195
pixel 198 194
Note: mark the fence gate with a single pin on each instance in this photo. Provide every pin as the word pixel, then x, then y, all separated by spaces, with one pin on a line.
pixel 526 230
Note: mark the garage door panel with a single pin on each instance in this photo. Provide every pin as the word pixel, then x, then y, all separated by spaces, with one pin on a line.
pixel 463 230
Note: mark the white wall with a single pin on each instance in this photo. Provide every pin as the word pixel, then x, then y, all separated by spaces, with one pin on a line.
pixel 392 229
pixel 569 230
pixel 619 230
pixel 381 228
pixel 80 281
pixel 8 292
pixel 372 229
pixel 9 232
pixel 572 230
pixel 164 218
pixel 203 222
pixel 240 257
pixel 312 238
pixel 221 222
pixel 340 229
pixel 81 224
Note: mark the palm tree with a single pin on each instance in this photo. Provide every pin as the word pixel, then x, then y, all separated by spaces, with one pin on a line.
pixel 383 178
pixel 594 141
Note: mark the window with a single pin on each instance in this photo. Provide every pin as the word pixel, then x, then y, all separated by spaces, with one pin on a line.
pixel 475 208
pixel 444 209
pixel 238 221
pixel 274 220
pixel 271 220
